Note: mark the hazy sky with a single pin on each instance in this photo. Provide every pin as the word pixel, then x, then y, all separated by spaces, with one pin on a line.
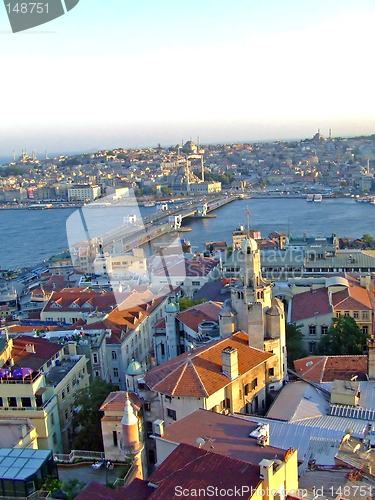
pixel 115 73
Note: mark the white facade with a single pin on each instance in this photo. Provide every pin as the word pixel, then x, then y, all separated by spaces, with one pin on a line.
pixel 84 193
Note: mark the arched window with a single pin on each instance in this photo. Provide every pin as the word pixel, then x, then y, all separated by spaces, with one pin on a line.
pixel 114 355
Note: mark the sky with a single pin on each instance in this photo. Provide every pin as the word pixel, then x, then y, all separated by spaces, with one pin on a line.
pixel 115 73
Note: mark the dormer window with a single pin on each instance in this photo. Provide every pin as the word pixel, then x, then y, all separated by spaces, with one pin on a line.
pixel 55 305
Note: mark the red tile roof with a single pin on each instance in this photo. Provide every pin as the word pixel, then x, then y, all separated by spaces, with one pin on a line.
pixel 229 434
pixel 97 491
pixel 190 468
pixel 44 351
pixel 208 311
pixel 329 368
pixel 199 373
pixel 310 304
pixel 115 401
pixel 82 299
pixel 352 298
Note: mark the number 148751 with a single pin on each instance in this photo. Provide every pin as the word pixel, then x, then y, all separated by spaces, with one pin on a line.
pixel 28 8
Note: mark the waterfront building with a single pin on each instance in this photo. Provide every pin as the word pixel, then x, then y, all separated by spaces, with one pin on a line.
pixel 84 192
pixel 118 266
pixel 60 264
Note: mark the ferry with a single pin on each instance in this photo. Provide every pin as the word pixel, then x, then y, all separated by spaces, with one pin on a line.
pixel 310 197
pixel 318 198
pixel 149 204
pixel 40 206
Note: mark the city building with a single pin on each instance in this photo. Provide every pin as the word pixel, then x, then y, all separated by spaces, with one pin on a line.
pixel 39 382
pixel 84 192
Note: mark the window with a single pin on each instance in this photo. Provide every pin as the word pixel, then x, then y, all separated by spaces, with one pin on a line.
pixel 324 329
pixel 114 437
pixel 365 329
pixel 338 315
pixel 312 330
pixel 254 384
pixel 63 395
pixel 52 419
pixel 54 438
pixel 195 283
pixel 149 430
pixel 147 406
pixel 356 314
pixel 271 372
pixel 168 398
pixel 346 313
pixel 26 402
pixel 68 388
pixel 364 315
pixel 66 415
pixel 312 348
pixel 115 372
pixel 95 358
pixel 114 355
pixel 1 401
pixel 162 349
pixel 12 402
pixel 247 389
pixel 171 414
pixel 97 373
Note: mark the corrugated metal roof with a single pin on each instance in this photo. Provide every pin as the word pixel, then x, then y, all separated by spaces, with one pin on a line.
pixel 298 400
pixel 287 435
pixel 352 412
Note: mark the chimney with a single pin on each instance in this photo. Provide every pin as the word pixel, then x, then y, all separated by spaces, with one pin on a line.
pixel 158 428
pixel 365 282
pixel 371 358
pixel 30 348
pixel 72 346
pixel 229 359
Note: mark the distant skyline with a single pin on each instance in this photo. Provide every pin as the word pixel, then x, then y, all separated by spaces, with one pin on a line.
pixel 128 74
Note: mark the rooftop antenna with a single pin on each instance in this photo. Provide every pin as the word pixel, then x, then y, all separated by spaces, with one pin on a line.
pixel 248 221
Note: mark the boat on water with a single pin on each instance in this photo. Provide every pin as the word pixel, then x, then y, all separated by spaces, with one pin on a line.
pixel 310 197
pixel 318 198
pixel 149 204
pixel 40 206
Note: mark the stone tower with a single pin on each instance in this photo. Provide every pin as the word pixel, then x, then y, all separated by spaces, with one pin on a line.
pixel 255 312
pixel 171 312
pixel 131 444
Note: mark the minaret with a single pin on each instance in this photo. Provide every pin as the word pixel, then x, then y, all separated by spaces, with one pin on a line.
pixel 170 330
pixel 330 133
pixel 130 436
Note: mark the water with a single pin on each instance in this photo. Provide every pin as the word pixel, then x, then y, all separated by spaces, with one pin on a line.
pixel 28 237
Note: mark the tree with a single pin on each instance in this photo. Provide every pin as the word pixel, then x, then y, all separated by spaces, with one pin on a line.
pixel 186 302
pixel 72 488
pixel 153 190
pixel 343 337
pixel 166 191
pixel 367 239
pixel 294 345
pixel 138 193
pixel 87 421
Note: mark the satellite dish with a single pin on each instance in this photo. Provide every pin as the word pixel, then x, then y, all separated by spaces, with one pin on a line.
pixel 200 441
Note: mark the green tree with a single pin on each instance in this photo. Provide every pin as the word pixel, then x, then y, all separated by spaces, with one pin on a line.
pixel 343 337
pixel 153 190
pixel 294 345
pixel 86 422
pixel 72 488
pixel 186 302
pixel 166 191
pixel 367 239
pixel 138 192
